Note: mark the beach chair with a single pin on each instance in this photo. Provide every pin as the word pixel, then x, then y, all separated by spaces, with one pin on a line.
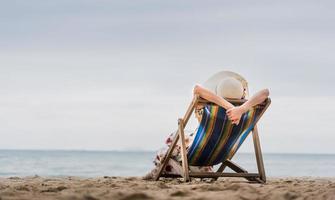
pixel 216 142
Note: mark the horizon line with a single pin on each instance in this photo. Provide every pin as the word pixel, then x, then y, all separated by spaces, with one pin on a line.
pixel 151 151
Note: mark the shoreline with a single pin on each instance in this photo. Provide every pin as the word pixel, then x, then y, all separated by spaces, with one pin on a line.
pixel 128 188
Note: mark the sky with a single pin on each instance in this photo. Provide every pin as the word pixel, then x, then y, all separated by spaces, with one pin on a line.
pixel 116 75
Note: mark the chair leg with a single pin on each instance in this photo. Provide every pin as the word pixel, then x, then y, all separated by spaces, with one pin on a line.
pixel 176 138
pixel 258 153
pixel 235 167
pixel 183 151
pixel 221 169
pixel 259 160
pixel 231 165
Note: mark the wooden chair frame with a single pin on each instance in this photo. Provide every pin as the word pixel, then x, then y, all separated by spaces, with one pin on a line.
pixel 238 171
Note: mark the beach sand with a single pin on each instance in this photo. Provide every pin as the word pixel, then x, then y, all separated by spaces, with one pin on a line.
pixel 134 188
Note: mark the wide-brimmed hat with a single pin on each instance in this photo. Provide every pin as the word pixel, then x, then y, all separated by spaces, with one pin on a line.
pixel 229 85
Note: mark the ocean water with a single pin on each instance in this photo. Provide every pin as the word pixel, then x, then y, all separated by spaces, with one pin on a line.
pixel 114 163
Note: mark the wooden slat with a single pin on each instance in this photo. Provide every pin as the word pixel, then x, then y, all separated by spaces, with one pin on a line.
pixel 233 101
pixel 176 138
pixel 190 109
pixel 171 175
pixel 235 167
pixel 183 151
pixel 213 175
pixel 258 153
pixel 218 174
pixel 222 167
pixel 257 145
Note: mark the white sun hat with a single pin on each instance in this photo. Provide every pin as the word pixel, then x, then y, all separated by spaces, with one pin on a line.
pixel 229 85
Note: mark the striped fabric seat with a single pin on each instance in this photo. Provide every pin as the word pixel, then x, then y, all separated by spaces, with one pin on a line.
pixel 217 139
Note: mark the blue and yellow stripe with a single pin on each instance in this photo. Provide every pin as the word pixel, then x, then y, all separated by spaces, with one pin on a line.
pixel 217 139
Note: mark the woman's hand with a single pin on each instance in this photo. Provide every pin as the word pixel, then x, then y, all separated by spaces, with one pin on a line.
pixel 235 114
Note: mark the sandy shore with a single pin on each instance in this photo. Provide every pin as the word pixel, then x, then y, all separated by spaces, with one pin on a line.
pixel 134 188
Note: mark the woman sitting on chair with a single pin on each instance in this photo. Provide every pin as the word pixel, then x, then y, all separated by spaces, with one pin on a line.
pixel 223 85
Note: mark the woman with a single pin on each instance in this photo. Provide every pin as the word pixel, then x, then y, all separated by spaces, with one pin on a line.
pixel 222 85
pixel 234 112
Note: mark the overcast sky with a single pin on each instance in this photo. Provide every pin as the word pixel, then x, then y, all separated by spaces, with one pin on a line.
pixel 116 75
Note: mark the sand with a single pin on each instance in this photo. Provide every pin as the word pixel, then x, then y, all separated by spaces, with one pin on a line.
pixel 134 188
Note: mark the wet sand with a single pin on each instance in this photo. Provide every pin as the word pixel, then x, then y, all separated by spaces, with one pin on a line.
pixel 133 188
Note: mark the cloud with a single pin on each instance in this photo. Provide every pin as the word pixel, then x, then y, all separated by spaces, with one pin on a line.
pixel 84 70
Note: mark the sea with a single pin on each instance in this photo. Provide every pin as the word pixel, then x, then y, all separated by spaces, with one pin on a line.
pixel 59 163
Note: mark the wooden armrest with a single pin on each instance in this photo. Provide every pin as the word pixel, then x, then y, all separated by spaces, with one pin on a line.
pixel 233 101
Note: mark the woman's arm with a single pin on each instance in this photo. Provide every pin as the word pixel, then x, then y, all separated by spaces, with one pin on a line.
pixel 210 96
pixel 235 113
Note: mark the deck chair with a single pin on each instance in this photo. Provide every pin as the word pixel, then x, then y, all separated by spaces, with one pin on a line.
pixel 216 142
